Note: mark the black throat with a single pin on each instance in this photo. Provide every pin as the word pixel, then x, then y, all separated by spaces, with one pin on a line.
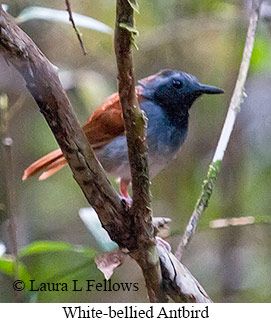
pixel 178 117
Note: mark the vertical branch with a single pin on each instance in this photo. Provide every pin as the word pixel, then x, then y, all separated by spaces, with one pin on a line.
pixel 135 124
pixel 9 174
pixel 234 109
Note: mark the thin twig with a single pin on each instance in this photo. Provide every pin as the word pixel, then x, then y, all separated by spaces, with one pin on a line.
pixel 78 34
pixel 9 174
pixel 234 109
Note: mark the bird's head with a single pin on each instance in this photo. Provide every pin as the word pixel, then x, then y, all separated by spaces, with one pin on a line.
pixel 174 90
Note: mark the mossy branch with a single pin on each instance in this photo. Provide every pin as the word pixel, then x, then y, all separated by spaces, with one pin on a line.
pixel 234 109
pixel 135 124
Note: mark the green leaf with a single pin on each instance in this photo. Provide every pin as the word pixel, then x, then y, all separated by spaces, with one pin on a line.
pixel 260 59
pixel 134 5
pixel 7 266
pixel 62 16
pixel 55 246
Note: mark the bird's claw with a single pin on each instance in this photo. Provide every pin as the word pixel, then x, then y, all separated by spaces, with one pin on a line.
pixel 128 200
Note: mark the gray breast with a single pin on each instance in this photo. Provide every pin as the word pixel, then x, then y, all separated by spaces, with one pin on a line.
pixel 164 140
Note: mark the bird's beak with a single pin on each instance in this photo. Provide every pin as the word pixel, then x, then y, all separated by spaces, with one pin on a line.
pixel 208 89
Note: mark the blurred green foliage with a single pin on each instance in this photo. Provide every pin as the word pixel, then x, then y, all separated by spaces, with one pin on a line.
pixel 205 38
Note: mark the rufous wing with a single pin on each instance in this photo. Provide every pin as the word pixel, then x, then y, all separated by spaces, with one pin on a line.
pixel 105 124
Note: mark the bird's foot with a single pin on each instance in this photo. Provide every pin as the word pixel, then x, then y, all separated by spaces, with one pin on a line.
pixel 128 200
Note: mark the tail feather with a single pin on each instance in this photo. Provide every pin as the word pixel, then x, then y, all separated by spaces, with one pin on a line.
pixel 53 168
pixel 50 164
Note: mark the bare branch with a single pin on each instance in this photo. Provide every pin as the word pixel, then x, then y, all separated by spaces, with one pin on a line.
pixel 234 109
pixel 78 34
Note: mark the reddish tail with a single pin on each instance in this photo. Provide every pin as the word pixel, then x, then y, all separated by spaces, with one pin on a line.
pixel 49 164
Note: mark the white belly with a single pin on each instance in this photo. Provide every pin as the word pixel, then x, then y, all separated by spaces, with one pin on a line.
pixel 114 158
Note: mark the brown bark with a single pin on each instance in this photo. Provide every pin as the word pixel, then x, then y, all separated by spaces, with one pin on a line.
pixel 135 124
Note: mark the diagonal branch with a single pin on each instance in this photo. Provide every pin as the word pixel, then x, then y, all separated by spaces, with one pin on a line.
pixel 43 83
pixel 234 109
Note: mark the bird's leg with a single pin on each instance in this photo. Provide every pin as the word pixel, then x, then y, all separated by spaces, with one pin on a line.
pixel 124 188
pixel 124 184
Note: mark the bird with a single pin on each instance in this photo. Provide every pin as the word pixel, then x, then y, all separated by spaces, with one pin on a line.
pixel 166 98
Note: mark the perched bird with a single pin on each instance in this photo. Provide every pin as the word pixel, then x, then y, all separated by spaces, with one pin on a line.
pixel 166 98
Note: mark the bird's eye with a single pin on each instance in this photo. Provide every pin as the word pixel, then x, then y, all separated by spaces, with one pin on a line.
pixel 177 84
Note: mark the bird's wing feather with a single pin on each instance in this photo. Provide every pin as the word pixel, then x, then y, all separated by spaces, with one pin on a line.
pixel 106 123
